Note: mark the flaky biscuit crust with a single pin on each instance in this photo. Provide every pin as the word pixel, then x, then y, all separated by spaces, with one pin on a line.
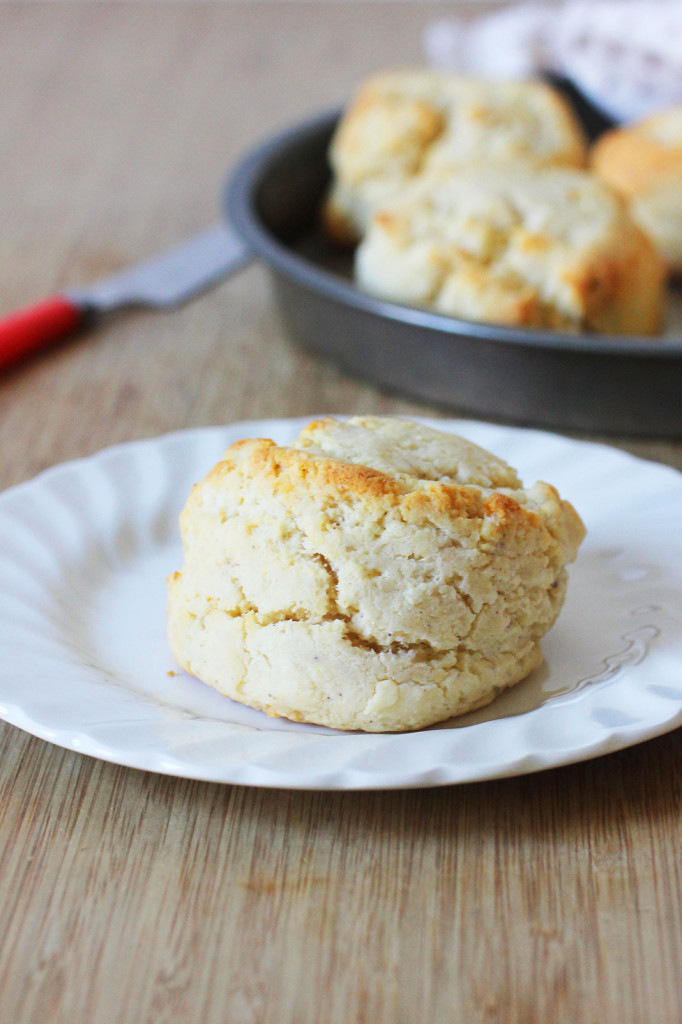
pixel 517 246
pixel 335 582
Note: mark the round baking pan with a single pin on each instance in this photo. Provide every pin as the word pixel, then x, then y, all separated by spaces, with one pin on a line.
pixel 628 385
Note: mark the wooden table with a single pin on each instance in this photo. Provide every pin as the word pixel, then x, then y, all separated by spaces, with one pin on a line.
pixel 131 897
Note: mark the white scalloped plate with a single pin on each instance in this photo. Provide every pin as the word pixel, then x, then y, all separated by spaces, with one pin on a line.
pixel 86 546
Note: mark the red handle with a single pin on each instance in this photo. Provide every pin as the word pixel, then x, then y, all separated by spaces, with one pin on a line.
pixel 29 330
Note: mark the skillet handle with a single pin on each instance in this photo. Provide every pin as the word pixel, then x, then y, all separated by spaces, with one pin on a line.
pixel 28 330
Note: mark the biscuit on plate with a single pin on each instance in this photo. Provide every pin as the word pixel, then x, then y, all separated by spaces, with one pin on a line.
pixel 403 123
pixel 375 574
pixel 519 246
pixel 643 161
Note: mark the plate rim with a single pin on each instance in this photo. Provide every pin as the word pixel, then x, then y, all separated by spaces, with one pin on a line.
pixel 339 779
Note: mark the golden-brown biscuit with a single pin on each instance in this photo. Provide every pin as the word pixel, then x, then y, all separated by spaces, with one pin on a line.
pixel 643 162
pixel 375 575
pixel 403 123
pixel 519 246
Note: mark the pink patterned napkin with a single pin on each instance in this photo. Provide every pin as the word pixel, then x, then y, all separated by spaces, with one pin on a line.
pixel 624 55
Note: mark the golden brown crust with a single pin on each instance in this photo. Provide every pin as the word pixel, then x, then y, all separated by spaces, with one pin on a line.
pixel 292 473
pixel 287 470
pixel 634 159
pixel 643 163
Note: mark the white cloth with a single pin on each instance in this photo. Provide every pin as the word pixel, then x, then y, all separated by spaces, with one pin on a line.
pixel 625 55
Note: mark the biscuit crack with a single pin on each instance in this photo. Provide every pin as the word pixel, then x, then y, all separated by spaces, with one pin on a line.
pixel 352 636
pixel 332 585
pixel 422 647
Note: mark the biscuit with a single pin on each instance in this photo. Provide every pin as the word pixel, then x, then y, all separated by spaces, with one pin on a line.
pixel 403 123
pixel 375 575
pixel 643 162
pixel 519 246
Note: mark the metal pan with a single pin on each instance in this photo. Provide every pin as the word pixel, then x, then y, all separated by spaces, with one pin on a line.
pixel 596 383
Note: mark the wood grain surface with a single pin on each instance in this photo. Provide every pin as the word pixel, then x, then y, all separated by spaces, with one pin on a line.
pixel 131 898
